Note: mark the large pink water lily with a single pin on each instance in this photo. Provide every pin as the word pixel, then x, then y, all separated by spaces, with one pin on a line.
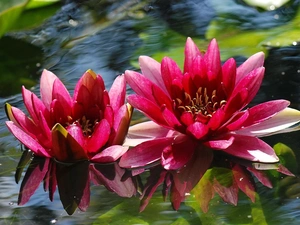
pixel 205 105
pixel 91 125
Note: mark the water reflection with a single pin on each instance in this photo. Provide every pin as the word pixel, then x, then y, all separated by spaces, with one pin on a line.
pixel 72 180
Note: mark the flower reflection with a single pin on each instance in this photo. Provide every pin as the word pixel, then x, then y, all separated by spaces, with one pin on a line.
pixel 226 176
pixel 72 180
pixel 91 125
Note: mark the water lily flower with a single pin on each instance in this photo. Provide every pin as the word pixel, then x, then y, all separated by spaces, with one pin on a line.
pixel 203 106
pixel 91 125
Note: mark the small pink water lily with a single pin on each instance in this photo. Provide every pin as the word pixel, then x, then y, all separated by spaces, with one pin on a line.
pixel 203 106
pixel 91 125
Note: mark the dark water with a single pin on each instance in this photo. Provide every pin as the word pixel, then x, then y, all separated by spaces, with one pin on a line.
pixel 108 37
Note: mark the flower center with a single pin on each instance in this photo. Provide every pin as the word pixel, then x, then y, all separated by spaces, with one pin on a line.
pixel 202 104
pixel 87 126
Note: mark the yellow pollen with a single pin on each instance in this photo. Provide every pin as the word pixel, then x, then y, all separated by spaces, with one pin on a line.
pixel 202 103
pixel 87 126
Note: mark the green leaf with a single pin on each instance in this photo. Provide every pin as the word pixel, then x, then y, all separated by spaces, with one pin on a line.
pixel 233 41
pixel 40 3
pixel 287 156
pixel 9 13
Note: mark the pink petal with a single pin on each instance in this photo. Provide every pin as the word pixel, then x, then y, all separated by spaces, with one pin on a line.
pixel 117 93
pixel 170 71
pixel 121 124
pixel 251 83
pixel 222 143
pixel 170 118
pixel 88 80
pixel 110 154
pixel 228 76
pixel 190 52
pixel 22 121
pixel 46 87
pixel 238 121
pixel 264 111
pixel 147 107
pixel 146 131
pixel 213 61
pixel 27 140
pixel 145 153
pixel 99 137
pixel 34 105
pixel 179 153
pixel 198 130
pixel 199 72
pixel 61 93
pixel 161 98
pixel 255 61
pixel 140 84
pixel 251 148
pixel 151 70
pixel 187 118
pixel 279 123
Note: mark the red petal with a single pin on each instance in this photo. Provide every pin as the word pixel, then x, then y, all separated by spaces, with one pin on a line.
pixel 145 153
pixel 264 111
pixel 117 93
pixel 140 84
pixel 222 143
pixel 228 76
pixel 251 148
pixel 46 87
pixel 170 71
pixel 151 70
pixel 198 130
pixel 179 153
pixel 170 118
pixel 190 52
pixel 151 110
pixel 213 61
pixel 255 61
pixel 99 137
pixel 27 140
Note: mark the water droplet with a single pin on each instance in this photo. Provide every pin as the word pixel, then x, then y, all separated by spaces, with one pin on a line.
pixel 283 73
pixel 53 221
pixel 272 7
pixel 11 203
pixel 249 216
pixel 242 178
pixel 73 23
